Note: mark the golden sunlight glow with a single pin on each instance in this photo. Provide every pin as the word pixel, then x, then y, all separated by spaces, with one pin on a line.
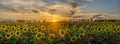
pixel 54 20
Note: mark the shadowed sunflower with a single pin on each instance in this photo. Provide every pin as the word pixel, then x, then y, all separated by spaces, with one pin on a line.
pixel 93 31
pixel 1 37
pixel 19 39
pixel 62 33
pixel 90 39
pixel 51 37
pixel 99 29
pixel 8 36
pixel 114 29
pixel 67 31
pixel 80 36
pixel 72 39
pixel 108 32
pixel 83 32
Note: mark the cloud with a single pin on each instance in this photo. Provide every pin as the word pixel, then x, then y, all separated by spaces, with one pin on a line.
pixel 58 6
pixel 20 5
pixel 41 8
pixel 89 0
pixel 67 9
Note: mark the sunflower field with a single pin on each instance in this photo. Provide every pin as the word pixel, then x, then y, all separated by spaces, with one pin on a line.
pixel 60 33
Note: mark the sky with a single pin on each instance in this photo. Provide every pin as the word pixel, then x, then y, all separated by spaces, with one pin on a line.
pixel 59 9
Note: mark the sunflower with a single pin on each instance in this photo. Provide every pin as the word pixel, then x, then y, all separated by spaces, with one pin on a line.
pixel 108 32
pixel 51 37
pixel 35 30
pixel 32 31
pixel 99 29
pixel 8 36
pixel 118 29
pixel 40 35
pixel 67 31
pixel 80 36
pixel 18 33
pixel 1 37
pixel 114 29
pixel 5 30
pixel 3 26
pixel 25 29
pixel 93 31
pixel 19 39
pixel 62 33
pixel 11 33
pixel 72 39
pixel 74 27
pixel 42 27
pixel 83 32
pixel 90 39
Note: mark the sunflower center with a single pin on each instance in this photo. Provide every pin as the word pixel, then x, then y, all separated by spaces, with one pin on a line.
pixel 52 37
pixel 17 33
pixel 8 35
pixel 62 32
pixel 39 35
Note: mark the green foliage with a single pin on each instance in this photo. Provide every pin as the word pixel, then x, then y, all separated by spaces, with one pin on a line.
pixel 60 33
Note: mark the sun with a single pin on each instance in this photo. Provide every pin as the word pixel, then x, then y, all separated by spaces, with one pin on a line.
pixel 54 20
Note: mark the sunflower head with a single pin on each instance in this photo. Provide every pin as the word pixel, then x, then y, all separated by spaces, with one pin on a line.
pixel 93 31
pixel 114 29
pixel 80 36
pixel 118 29
pixel 43 35
pixel 6 30
pixel 99 29
pixel 51 37
pixel 40 35
pixel 62 33
pixel 8 36
pixel 25 29
pixel 35 30
pixel 3 26
pixel 18 33
pixel 32 31
pixel 83 32
pixel 67 31
pixel 72 39
pixel 108 32
pixel 11 33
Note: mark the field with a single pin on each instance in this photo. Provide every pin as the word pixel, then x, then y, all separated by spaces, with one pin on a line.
pixel 60 33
